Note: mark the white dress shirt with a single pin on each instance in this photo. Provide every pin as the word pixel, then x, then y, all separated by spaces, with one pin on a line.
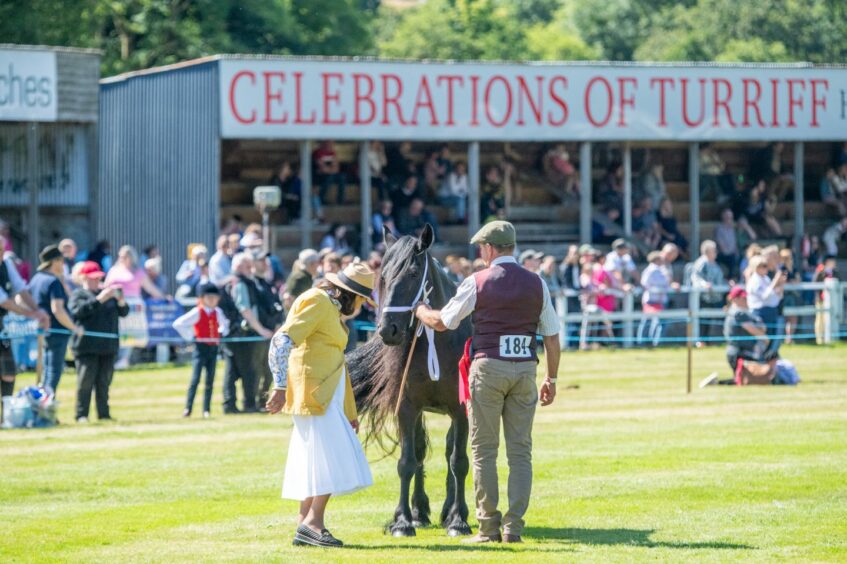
pixel 464 302
pixel 760 293
pixel 184 324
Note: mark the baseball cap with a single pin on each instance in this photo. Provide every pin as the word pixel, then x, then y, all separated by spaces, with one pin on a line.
pixel 91 269
pixel 530 254
pixel 737 292
pixel 620 244
pixel 500 233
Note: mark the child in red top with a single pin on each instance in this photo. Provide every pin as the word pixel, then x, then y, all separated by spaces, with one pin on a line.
pixel 203 324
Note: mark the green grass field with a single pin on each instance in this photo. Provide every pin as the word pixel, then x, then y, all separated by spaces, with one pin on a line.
pixel 627 467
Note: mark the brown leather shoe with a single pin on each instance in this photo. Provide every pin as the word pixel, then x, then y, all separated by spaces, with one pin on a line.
pixel 480 539
pixel 511 538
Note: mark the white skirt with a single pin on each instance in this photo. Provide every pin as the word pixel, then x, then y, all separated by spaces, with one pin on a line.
pixel 325 455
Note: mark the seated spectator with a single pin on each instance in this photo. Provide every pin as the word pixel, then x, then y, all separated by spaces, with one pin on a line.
pixel 560 171
pixel 833 234
pixel 492 195
pixel 714 179
pixel 412 220
pixel 328 171
pixel 605 227
pixel 384 218
pixel 726 239
pixel 645 224
pixel 188 275
pixel 410 190
pixel 220 264
pixel 754 206
pixel 377 162
pixel 434 172
pixel 610 192
pixel 653 185
pixel 746 341
pixel 445 160
pixel 292 192
pixel 336 239
pixel 454 192
pixel 668 227
pixel 706 274
pixel 153 269
pixel 656 283
pixel 767 165
pixel 834 189
pixel 400 164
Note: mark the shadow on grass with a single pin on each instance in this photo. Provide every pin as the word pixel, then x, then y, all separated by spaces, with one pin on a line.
pixel 629 537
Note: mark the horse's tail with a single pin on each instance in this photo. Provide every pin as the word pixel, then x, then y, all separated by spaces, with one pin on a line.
pixel 375 373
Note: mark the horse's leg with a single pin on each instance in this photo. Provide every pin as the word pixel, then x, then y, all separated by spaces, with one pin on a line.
pixel 450 499
pixel 457 518
pixel 406 466
pixel 420 501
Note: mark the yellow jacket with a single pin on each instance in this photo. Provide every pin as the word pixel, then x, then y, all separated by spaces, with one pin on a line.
pixel 317 362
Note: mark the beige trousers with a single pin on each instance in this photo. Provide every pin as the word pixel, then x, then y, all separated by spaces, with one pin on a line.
pixel 507 390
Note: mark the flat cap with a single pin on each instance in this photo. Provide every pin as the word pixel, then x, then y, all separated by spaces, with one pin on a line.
pixel 500 233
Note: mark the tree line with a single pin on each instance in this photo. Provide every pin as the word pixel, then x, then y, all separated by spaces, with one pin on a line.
pixel 134 34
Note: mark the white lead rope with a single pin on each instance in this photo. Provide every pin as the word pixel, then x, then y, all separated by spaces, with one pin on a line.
pixel 422 296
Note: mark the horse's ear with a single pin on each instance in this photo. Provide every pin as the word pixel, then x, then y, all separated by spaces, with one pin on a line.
pixel 388 236
pixel 426 239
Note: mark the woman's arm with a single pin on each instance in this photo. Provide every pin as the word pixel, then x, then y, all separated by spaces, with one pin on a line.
pixel 151 288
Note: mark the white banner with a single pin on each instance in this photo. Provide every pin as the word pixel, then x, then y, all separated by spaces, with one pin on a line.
pixel 27 85
pixel 301 99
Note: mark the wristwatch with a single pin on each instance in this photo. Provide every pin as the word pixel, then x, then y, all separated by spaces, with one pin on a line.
pixel 552 380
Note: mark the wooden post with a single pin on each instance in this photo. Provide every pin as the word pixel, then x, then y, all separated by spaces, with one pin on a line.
pixel 39 359
pixel 689 348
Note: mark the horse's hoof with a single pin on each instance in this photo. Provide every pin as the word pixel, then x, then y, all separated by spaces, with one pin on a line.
pixel 462 530
pixel 421 523
pixel 399 532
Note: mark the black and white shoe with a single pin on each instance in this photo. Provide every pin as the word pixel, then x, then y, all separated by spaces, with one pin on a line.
pixel 307 537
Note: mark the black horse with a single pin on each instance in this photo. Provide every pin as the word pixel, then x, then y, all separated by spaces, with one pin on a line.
pixel 376 369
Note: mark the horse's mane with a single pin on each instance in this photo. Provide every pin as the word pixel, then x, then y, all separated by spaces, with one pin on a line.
pixel 375 368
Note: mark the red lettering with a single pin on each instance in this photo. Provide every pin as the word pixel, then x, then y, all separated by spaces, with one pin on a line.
pixel 752 102
pixel 359 97
pixel 275 96
pixel 719 102
pixel 588 113
pixel 558 101
pixel 624 100
pixel 424 92
pixel 474 100
pixel 662 82
pixel 817 101
pixel 450 79
pixel 775 105
pixel 685 117
pixel 535 105
pixel 298 102
pixel 393 99
pixel 232 106
pixel 508 113
pixel 792 101
pixel 332 97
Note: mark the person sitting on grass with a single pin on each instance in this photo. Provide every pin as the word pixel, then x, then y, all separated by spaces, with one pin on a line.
pixel 204 325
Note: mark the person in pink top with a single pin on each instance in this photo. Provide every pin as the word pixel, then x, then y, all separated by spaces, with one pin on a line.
pixel 127 275
pixel 602 281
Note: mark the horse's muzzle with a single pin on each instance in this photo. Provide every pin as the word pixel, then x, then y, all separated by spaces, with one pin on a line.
pixel 390 333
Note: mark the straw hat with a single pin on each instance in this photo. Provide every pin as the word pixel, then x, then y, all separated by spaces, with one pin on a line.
pixel 357 277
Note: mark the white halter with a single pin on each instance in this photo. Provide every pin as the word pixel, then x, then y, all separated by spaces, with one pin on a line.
pixel 422 295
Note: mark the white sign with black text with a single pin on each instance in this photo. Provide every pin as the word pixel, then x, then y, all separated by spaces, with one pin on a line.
pixel 27 85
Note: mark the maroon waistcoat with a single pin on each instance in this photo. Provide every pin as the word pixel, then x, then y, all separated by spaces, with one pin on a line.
pixel 509 299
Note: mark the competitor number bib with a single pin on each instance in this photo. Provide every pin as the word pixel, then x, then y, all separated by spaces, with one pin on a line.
pixel 515 346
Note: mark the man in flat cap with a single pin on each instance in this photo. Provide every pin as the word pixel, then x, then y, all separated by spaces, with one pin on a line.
pixel 510 305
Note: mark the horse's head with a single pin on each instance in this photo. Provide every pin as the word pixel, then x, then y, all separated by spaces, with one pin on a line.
pixel 404 268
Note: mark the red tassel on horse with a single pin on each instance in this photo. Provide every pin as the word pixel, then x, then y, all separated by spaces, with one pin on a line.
pixel 464 374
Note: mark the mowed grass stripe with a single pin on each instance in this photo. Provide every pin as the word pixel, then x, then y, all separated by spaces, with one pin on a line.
pixel 628 467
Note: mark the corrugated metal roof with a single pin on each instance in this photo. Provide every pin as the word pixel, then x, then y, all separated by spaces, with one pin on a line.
pixel 56 49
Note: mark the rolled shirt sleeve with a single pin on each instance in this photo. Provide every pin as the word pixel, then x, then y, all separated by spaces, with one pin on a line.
pixel 461 305
pixel 548 323
pixel 18 284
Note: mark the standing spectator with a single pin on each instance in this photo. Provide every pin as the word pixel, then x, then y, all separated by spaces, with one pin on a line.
pixel 96 310
pixel 408 192
pixel 400 164
pixel 549 273
pixel 726 239
pixel 291 189
pixel 69 250
pixel 713 176
pixel 335 239
pixel 377 162
pixel 328 171
pixel 149 252
pixel 825 271
pixel 560 171
pixel 102 255
pixel 49 293
pixel 433 172
pixel 12 286
pixel 764 296
pixel 569 274
pixel 530 259
pixel 271 316
pixel 610 193
pixel 453 269
pixel 240 355
pixel 188 275
pixel 330 263
pixel 220 264
pixel 834 189
pixel 130 277
pixel 645 225
pixel 668 227
pixel 620 266
pixel 833 234
pixel 302 276
pixel 790 298
pixel 412 220
pixel 605 227
pixel 656 282
pixel 383 219
pixel 204 325
pixel 602 288
pixel 153 270
pixel 767 166
pixel 492 196
pixel 454 192
pixel 705 276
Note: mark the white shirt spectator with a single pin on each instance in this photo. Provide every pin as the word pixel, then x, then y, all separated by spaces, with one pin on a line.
pixel 760 293
pixel 619 263
pixel 464 302
pixel 457 185
pixel 220 267
pixel 656 284
pixel 185 323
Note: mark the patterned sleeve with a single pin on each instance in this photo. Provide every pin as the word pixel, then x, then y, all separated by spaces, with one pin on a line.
pixel 281 346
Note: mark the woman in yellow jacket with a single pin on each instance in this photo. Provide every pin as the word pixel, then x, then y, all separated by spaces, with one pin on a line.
pixel 325 457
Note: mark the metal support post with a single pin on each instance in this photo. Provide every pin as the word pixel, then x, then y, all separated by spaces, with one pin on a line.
pixel 473 194
pixel 585 192
pixel 365 195
pixel 694 196
pixel 306 194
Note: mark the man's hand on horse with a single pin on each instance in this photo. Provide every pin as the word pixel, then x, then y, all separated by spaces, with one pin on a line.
pixel 355 424
pixel 548 392
pixel 276 401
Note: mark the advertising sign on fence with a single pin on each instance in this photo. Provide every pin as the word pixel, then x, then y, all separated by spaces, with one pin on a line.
pixel 361 100
pixel 133 327
pixel 160 317
pixel 27 85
